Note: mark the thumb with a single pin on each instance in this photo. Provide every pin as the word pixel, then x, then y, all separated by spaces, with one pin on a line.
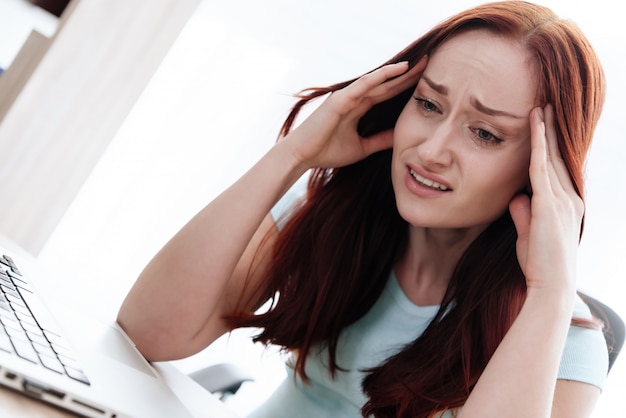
pixel 520 211
pixel 377 142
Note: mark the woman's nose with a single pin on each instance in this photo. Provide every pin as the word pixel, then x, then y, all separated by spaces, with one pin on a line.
pixel 436 149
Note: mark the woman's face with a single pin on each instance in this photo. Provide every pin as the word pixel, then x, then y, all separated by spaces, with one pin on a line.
pixel 462 143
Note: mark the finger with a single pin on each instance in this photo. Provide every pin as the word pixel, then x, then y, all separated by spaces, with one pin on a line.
pixel 555 159
pixel 389 89
pixel 377 142
pixel 364 84
pixel 399 84
pixel 538 170
pixel 382 84
pixel 357 93
pixel 520 211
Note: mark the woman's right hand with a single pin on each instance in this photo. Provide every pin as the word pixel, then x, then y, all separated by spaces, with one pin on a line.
pixel 328 138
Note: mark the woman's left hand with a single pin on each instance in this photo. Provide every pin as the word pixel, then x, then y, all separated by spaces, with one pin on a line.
pixel 548 223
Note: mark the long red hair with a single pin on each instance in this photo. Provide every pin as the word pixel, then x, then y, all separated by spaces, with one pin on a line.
pixel 335 253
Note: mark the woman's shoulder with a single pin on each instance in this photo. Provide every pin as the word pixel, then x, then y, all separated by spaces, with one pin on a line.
pixel 585 355
pixel 285 206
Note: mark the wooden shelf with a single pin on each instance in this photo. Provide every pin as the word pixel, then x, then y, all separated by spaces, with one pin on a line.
pixel 17 75
pixel 18 18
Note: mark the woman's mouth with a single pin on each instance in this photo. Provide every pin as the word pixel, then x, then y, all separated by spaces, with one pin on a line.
pixel 428 183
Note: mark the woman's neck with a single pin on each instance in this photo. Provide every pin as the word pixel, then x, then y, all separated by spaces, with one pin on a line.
pixel 426 267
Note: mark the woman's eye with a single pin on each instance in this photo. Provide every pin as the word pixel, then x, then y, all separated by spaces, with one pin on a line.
pixel 426 105
pixel 486 136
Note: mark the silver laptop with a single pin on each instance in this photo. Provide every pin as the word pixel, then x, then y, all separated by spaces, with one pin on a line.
pixel 71 359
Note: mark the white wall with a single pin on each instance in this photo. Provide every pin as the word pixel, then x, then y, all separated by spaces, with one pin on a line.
pixel 72 100
pixel 215 106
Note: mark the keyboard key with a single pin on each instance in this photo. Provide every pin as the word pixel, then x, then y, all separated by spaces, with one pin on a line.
pixel 9 262
pixel 17 302
pixel 69 362
pixel 39 339
pixel 22 312
pixel 10 322
pixel 32 329
pixel 25 351
pixel 52 363
pixel 5 261
pixel 4 305
pixel 8 291
pixel 19 281
pixel 57 341
pixel 26 320
pixel 62 351
pixel 77 375
pixel 17 334
pixel 5 342
pixel 40 312
pixel 4 279
pixel 44 349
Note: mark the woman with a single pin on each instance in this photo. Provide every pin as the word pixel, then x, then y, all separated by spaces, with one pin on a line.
pixel 431 265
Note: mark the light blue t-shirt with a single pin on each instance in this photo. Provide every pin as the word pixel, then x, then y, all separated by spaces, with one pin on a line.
pixel 392 322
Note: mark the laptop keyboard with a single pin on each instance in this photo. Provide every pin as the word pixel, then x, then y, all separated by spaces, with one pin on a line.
pixel 24 329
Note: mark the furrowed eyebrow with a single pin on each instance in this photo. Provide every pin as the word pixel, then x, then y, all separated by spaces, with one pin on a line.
pixel 492 112
pixel 443 90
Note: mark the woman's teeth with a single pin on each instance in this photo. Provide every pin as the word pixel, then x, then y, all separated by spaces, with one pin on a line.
pixel 428 183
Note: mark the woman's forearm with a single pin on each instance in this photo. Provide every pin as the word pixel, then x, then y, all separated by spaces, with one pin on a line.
pixel 176 305
pixel 520 378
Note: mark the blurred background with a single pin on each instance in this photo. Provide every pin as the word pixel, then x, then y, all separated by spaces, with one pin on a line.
pixel 214 106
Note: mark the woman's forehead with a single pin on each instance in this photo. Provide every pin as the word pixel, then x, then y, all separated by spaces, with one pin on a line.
pixel 495 68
